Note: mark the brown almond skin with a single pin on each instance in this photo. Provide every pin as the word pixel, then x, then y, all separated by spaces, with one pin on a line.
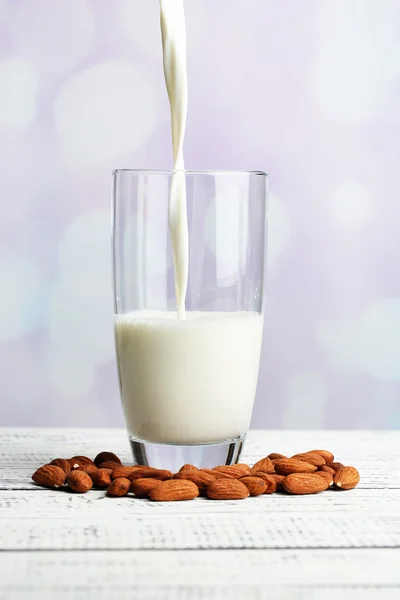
pixel 327 470
pixel 106 456
pixel 227 489
pixel 63 464
pixel 278 480
pixel 285 466
pixel 49 476
pixel 121 471
pixel 173 490
pixel 335 466
pixel 243 466
pixel 109 464
pixel 304 483
pixel 119 487
pixel 143 471
pixel 234 471
pixel 79 461
pixel 265 465
pixel 255 485
pixel 328 456
pixel 327 476
pixel 276 456
pixel 101 478
pixel 200 479
pixel 142 487
pixel 347 478
pixel 312 459
pixel 271 484
pixel 82 460
pixel 188 467
pixel 217 474
pixel 79 481
pixel 89 469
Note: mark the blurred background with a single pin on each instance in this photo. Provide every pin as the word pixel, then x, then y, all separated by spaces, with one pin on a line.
pixel 308 91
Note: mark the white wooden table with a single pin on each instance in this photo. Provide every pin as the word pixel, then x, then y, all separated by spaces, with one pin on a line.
pixel 57 545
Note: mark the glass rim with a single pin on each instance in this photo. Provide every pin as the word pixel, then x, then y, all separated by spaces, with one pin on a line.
pixel 189 172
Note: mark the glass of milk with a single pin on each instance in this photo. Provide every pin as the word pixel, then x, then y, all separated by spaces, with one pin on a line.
pixel 189 252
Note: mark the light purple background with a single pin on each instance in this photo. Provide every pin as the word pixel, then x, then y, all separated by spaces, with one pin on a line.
pixel 308 91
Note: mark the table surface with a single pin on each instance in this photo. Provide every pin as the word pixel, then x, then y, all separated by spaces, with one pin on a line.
pixel 57 545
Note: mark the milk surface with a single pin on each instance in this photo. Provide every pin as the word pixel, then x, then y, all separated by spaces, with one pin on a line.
pixel 189 381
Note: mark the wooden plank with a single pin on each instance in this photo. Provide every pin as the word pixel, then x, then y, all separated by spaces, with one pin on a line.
pixel 269 574
pixel 247 591
pixel 202 531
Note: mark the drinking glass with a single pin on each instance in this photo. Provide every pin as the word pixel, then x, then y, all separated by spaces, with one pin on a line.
pixel 188 385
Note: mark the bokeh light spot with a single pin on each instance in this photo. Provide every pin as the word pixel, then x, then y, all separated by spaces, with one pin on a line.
pixel 306 399
pixel 104 111
pixel 350 80
pixel 351 203
pixel 18 85
pixel 370 344
pixel 21 297
pixel 56 35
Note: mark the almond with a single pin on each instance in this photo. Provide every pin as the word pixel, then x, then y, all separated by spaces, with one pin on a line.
pixel 188 467
pixel 304 483
pixel 89 469
pixel 335 466
pixel 200 479
pixel 119 487
pixel 276 456
pixel 106 456
pixel 347 478
pixel 328 456
pixel 49 476
pixel 255 485
pixel 79 481
pixel 110 464
pixel 278 480
pixel 80 460
pixel 327 470
pixel 63 464
pixel 120 471
pixel 172 490
pixel 142 487
pixel 265 465
pixel 312 459
pixel 271 484
pixel 327 476
pixel 244 466
pixel 217 474
pixel 143 471
pixel 234 471
pixel 285 466
pixel 227 489
pixel 101 478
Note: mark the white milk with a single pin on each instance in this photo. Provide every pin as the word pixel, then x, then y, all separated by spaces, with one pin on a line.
pixel 173 33
pixel 188 381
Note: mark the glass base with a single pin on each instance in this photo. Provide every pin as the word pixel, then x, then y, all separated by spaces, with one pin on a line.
pixel 173 456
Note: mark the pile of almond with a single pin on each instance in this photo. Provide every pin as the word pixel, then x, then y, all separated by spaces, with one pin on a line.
pixel 306 473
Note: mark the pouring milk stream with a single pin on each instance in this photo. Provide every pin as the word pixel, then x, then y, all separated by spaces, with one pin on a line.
pixel 186 377
pixel 173 32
